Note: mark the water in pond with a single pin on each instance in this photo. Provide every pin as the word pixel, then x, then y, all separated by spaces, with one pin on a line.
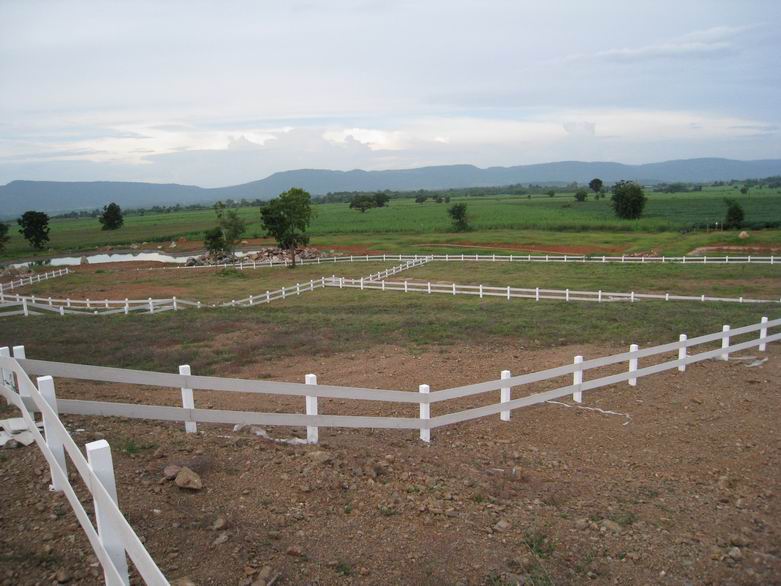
pixel 64 261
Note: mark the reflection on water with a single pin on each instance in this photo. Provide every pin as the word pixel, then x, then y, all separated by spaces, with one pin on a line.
pixel 65 261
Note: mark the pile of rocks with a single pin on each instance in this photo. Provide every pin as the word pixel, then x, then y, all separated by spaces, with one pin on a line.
pixel 14 274
pixel 276 255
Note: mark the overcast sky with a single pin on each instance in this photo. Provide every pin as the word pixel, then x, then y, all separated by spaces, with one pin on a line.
pixel 223 92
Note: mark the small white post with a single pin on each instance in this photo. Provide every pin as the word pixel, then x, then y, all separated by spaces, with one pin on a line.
pixel 405 285
pixel 566 295
pixel 481 291
pixel 188 402
pixel 577 379
pixel 425 414
pixel 174 302
pixel 88 306
pixel 53 440
pixel 5 374
pixel 599 296
pixel 505 396
pixel 19 354
pixel 24 307
pixel 682 352
pixel 429 286
pixel 725 342
pixel 100 461
pixel 633 365
pixel 311 409
pixel 763 335
pixel 454 288
pixel 151 307
pixel 508 293
pixel 537 294
pixel 632 296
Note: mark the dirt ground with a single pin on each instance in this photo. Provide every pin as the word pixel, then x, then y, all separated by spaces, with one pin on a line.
pixel 682 491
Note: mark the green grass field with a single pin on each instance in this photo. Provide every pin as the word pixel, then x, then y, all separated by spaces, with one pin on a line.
pixel 510 220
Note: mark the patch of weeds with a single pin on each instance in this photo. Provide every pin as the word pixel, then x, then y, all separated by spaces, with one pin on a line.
pixel 539 577
pixel 344 569
pixel 582 566
pixel 131 447
pixel 624 518
pixel 387 511
pixel 494 579
pixel 231 273
pixel 348 509
pixel 478 498
pixel 100 271
pixel 539 544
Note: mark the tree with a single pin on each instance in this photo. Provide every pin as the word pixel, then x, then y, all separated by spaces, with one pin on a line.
pixel 286 219
pixel 744 190
pixel 581 195
pixel 458 213
pixel 232 227
pixel 362 203
pixel 381 199
pixel 213 240
pixel 35 228
pixel 595 185
pixel 4 237
pixel 735 215
pixel 421 198
pixel 628 200
pixel 111 218
pixel 551 192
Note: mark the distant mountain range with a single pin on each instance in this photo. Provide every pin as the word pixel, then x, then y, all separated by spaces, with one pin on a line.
pixel 61 196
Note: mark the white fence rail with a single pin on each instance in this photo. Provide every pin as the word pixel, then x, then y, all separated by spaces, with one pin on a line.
pixel 114 538
pixel 310 419
pixel 526 293
pixel 32 279
pixel 553 258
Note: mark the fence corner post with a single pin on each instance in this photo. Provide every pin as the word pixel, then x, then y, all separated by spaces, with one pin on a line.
pixel 425 415
pixel 725 342
pixel 505 396
pixel 53 440
pixel 102 465
pixel 633 365
pixel 682 352
pixel 19 353
pixel 577 380
pixel 188 401
pixel 312 435
pixel 763 335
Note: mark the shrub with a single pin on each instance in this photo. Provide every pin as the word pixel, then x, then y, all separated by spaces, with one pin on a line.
pixel 458 213
pixel 213 240
pixel 735 215
pixel 581 195
pixel 628 200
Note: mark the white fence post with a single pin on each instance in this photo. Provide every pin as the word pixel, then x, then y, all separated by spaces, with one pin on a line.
pixel 24 307
pixel 633 365
pixel 311 409
pixel 188 402
pixel 682 352
pixel 577 379
pixel 537 294
pixel 174 302
pixel 505 396
pixel 425 414
pixel 725 342
pixel 46 388
pixel 99 458
pixel 19 354
pixel 151 307
pixel 763 335
pixel 5 374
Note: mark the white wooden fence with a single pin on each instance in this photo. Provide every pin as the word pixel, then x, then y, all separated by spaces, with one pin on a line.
pixel 311 390
pixel 242 264
pixel 525 293
pixel 35 278
pixel 113 539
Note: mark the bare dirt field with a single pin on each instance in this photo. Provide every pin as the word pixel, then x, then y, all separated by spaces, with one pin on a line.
pixel 683 491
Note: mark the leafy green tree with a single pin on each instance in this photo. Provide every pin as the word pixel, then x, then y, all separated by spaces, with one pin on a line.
pixel 744 190
pixel 550 193
pixel 595 185
pixel 381 199
pixel 4 237
pixel 362 203
pixel 214 241
pixel 232 227
pixel 735 215
pixel 628 200
pixel 111 218
pixel 34 226
pixel 286 218
pixel 457 213
pixel 421 198
pixel 581 195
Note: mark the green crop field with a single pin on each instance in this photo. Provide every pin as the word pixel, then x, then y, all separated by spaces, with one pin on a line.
pixel 536 221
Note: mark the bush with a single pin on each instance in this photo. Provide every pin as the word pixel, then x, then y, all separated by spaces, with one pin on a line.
pixel 581 195
pixel 628 200
pixel 458 213
pixel 550 193
pixel 735 216
pixel 213 240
